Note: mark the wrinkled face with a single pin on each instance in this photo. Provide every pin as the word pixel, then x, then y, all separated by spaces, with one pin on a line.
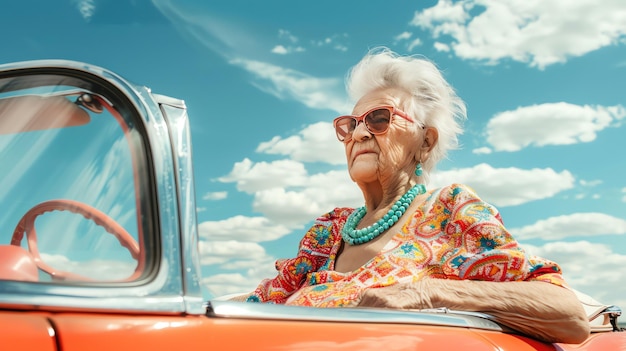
pixel 381 157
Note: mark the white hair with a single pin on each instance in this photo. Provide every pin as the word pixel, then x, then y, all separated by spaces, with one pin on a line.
pixel 433 102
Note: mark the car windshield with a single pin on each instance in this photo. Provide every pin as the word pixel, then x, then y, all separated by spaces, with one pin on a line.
pixel 68 181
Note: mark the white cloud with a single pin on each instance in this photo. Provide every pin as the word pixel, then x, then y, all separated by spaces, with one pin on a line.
pixel 340 47
pixel 324 191
pixel 218 195
pixel 406 37
pixel 287 195
pixel 593 268
pixel 572 225
pixel 226 36
pixel 530 31
pixel 624 192
pixel 251 262
pixel 283 83
pixel 222 251
pixel 403 36
pixel 285 34
pixel 96 269
pixel 335 41
pixel 550 124
pixel 289 207
pixel 252 177
pixel 242 282
pixel 251 229
pixel 314 143
pixel 413 44
pixel 230 283
pixel 441 47
pixel 482 151
pixel 508 186
pixel 590 183
pixel 86 7
pixel 232 40
pixel 280 50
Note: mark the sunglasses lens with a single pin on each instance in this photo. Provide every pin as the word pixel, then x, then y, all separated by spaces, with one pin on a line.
pixel 377 121
pixel 344 127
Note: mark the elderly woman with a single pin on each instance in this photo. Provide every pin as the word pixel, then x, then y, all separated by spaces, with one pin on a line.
pixel 409 247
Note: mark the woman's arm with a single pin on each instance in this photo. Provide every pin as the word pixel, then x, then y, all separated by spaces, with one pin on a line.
pixel 240 298
pixel 542 310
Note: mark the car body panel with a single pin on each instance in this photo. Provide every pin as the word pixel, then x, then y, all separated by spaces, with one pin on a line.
pixel 119 332
pixel 90 331
pixel 26 331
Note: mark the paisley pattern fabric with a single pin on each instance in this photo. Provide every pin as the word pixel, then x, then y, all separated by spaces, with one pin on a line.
pixel 452 235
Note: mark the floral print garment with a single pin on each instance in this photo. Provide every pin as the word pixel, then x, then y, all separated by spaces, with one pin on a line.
pixel 452 235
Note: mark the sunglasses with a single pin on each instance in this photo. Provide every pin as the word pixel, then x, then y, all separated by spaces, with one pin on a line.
pixel 376 121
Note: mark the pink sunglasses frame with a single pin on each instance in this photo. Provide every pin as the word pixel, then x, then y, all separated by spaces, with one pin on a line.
pixel 392 109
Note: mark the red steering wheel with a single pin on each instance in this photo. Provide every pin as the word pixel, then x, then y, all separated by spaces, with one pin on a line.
pixel 27 225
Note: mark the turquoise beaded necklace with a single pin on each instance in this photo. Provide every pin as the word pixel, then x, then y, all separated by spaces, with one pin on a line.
pixel 354 236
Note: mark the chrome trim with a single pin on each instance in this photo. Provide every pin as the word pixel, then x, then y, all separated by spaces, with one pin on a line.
pixel 126 304
pixel 175 113
pixel 443 317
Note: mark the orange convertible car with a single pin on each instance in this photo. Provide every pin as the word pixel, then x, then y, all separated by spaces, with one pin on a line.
pixel 98 238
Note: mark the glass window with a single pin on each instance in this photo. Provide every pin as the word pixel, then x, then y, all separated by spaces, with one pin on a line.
pixel 69 182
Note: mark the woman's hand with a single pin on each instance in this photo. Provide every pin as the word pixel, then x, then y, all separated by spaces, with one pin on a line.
pixel 542 310
pixel 398 296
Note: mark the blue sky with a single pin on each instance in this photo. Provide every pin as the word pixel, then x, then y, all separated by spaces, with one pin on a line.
pixel 544 83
